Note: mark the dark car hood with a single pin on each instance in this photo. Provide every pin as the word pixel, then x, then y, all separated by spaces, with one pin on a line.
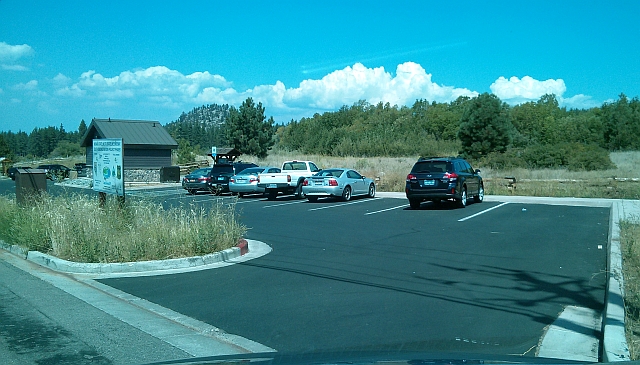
pixel 367 358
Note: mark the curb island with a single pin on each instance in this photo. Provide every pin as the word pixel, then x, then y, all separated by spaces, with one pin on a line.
pixel 71 267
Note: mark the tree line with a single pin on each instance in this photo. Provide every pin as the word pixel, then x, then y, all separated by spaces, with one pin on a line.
pixel 42 142
pixel 533 134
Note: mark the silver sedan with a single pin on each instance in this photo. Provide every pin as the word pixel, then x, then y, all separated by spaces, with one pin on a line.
pixel 246 181
pixel 339 183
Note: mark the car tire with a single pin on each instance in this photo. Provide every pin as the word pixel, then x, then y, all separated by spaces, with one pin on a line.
pixel 372 191
pixel 414 204
pixel 271 195
pixel 298 192
pixel 480 197
pixel 312 199
pixel 191 191
pixel 462 202
pixel 240 195
pixel 346 193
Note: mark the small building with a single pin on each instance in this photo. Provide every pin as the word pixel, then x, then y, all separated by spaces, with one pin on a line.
pixel 147 145
pixel 225 155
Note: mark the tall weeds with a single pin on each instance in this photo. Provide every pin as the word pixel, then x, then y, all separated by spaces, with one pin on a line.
pixel 77 229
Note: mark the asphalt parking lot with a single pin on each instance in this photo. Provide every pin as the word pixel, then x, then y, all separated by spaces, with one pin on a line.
pixel 372 274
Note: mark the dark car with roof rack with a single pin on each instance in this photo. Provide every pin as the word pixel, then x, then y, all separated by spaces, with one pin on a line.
pixel 443 178
pixel 214 179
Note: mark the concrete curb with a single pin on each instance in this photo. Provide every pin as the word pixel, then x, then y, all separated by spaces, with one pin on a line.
pixel 614 342
pixel 71 267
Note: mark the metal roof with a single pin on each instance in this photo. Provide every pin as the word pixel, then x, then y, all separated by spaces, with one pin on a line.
pixel 133 132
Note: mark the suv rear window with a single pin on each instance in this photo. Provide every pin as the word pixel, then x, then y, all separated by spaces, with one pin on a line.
pixel 430 167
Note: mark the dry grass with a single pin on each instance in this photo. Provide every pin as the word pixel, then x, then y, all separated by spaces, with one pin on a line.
pixel 630 241
pixel 76 229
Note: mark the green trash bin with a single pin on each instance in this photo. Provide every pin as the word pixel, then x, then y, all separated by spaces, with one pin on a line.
pixel 30 183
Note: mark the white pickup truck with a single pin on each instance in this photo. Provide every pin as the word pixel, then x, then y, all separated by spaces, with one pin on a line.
pixel 289 181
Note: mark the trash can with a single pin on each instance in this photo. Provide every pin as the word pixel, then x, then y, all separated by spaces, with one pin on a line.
pixel 30 182
pixel 170 174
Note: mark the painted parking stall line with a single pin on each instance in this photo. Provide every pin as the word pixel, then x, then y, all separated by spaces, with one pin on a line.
pixel 388 209
pixel 341 205
pixel 154 194
pixel 283 204
pixel 482 212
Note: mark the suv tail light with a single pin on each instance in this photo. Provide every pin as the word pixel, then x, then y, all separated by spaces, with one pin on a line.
pixel 333 182
pixel 411 177
pixel 288 178
pixel 451 176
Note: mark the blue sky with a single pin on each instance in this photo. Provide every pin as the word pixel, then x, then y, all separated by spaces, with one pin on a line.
pixel 64 61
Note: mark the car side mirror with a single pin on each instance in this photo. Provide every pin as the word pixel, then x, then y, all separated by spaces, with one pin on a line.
pixel 477 171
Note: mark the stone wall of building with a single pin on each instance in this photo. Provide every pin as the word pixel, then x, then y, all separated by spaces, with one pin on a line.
pixel 136 175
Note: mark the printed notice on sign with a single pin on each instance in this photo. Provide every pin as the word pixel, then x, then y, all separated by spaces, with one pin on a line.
pixel 108 170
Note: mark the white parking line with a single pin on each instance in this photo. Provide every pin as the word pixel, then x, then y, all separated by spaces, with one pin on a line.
pixel 482 212
pixel 388 209
pixel 279 205
pixel 154 194
pixel 340 205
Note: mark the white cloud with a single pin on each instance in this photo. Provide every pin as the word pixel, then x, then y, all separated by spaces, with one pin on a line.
pixel 579 101
pixel 516 91
pixel 170 89
pixel 355 83
pixel 13 53
pixel 61 79
pixel 14 67
pixel 29 86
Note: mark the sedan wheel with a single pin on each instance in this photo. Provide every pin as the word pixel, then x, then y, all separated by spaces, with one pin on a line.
pixel 372 191
pixel 415 204
pixel 480 197
pixel 312 199
pixel 346 193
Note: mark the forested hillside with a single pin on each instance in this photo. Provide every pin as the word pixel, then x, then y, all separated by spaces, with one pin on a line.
pixel 533 134
pixel 203 126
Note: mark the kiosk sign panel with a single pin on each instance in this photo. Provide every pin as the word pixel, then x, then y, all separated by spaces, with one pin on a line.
pixel 108 170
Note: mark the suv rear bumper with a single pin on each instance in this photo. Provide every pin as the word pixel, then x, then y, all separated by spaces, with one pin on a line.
pixel 423 195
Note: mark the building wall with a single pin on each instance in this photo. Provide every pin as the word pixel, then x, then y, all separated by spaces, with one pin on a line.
pixel 135 158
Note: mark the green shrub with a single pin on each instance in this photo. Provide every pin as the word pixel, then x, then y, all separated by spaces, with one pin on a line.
pixel 572 156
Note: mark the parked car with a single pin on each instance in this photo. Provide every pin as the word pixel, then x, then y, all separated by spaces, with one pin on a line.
pixel 197 180
pixel 340 183
pixel 215 179
pixel 246 181
pixel 11 171
pixel 443 178
pixel 55 172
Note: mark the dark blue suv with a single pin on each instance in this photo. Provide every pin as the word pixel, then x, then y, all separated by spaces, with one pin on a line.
pixel 443 178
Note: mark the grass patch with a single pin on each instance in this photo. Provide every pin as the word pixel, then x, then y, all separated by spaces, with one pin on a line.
pixel 630 241
pixel 75 228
